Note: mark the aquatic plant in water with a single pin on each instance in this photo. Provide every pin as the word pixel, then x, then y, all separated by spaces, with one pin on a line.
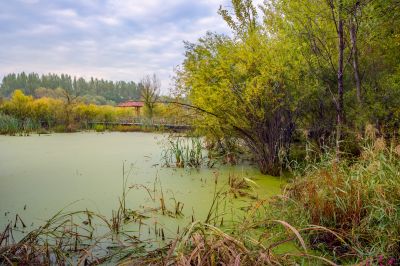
pixel 74 238
pixel 9 125
pixel 183 152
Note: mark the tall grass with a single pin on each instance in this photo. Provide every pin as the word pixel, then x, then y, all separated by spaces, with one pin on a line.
pixel 183 152
pixel 358 200
pixel 29 126
pixel 9 125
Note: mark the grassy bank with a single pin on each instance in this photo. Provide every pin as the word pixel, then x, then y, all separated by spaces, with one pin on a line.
pixel 351 206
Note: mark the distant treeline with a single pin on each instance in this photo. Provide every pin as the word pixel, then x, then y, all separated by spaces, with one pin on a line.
pixel 22 113
pixel 94 90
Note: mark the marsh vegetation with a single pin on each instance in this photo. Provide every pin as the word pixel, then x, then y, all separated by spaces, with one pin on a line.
pixel 292 157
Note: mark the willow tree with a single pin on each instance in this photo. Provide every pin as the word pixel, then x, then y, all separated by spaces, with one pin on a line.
pixel 349 47
pixel 244 86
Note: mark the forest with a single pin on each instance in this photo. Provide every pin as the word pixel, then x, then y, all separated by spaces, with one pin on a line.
pixel 96 91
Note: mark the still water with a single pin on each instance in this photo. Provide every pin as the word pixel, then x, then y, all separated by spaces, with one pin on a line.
pixel 42 174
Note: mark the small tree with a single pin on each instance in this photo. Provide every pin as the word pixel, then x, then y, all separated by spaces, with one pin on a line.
pixel 19 105
pixel 244 91
pixel 150 93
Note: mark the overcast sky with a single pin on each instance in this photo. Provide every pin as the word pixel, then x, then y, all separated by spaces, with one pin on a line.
pixel 110 39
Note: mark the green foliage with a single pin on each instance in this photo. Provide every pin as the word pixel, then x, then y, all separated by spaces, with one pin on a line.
pixel 19 105
pixel 246 88
pixel 279 73
pixel 311 28
pixel 32 114
pixel 282 72
pixel 99 128
pixel 9 125
pixel 183 152
pixel 66 114
pixel 30 126
pixel 122 128
pixel 96 91
pixel 60 128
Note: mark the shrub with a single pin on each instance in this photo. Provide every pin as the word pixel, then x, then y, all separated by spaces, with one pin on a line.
pixel 99 128
pixel 60 129
pixel 131 128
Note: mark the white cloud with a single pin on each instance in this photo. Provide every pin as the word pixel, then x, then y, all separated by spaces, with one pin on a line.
pixel 118 40
pixel 133 9
pixel 29 1
pixel 40 30
pixel 111 21
pixel 64 13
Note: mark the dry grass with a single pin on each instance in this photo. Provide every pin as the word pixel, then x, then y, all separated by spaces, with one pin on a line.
pixel 239 186
pixel 358 201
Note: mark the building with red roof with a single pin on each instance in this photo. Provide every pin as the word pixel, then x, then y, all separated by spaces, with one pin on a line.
pixel 132 104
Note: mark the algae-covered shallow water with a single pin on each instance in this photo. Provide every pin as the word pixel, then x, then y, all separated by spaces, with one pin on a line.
pixel 41 174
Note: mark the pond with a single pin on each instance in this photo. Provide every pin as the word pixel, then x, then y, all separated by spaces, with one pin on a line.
pixel 42 174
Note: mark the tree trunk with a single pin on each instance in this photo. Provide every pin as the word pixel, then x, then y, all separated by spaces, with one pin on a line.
pixel 354 51
pixel 339 103
pixel 268 165
pixel 271 141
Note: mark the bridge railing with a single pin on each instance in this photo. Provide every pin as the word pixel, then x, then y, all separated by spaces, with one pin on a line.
pixel 145 122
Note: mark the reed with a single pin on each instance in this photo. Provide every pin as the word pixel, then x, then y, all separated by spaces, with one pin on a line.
pixel 9 125
pixel 204 244
pixel 358 200
pixel 71 238
pixel 183 152
pixel 239 186
pixel 29 126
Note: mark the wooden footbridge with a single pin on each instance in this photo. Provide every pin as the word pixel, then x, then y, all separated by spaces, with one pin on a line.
pixel 158 124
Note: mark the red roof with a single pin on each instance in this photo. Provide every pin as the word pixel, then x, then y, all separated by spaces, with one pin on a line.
pixel 131 104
